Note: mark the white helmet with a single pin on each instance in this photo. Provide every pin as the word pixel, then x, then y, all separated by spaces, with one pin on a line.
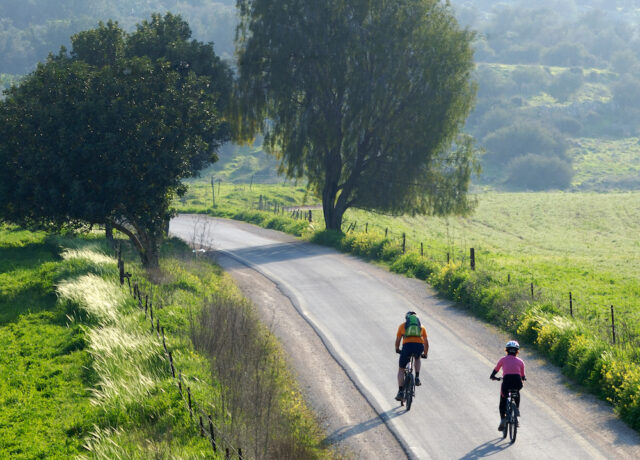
pixel 512 345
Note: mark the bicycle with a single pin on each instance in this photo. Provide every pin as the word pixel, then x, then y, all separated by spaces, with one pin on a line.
pixel 512 412
pixel 409 387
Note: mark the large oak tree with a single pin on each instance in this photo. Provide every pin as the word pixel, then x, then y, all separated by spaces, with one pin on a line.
pixel 364 98
pixel 106 134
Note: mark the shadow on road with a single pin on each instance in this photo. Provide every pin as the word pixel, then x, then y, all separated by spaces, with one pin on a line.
pixel 487 449
pixel 345 432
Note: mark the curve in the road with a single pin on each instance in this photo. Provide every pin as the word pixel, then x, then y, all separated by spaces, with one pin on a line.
pixel 356 307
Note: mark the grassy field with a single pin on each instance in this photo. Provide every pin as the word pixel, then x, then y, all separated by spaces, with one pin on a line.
pixel 84 377
pixel 603 164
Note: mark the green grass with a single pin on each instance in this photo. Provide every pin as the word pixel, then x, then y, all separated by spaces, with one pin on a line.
pixel 84 377
pixel 604 164
pixel 44 401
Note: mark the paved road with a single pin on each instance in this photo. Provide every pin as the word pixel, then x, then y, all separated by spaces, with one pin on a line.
pixel 356 308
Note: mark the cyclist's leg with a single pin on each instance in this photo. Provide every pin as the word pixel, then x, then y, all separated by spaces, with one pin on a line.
pixel 512 382
pixel 502 407
pixel 418 354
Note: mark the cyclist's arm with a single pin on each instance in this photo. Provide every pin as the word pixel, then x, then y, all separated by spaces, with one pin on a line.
pixel 399 335
pixel 496 369
pixel 426 346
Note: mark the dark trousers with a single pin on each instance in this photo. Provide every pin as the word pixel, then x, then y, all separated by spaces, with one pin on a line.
pixel 509 382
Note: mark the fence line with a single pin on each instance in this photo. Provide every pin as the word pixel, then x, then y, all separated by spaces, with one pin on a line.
pixel 190 403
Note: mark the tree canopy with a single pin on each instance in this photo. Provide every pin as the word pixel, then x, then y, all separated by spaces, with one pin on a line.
pixel 363 98
pixel 105 135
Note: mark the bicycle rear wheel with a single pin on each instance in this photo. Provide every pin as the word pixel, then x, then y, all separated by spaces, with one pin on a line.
pixel 513 424
pixel 409 388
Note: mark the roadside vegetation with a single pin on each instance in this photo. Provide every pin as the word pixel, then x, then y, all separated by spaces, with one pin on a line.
pixel 583 243
pixel 84 376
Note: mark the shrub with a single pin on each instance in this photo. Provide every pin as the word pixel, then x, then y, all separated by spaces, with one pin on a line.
pixel 367 245
pixel 329 238
pixel 539 172
pixel 391 252
pixel 415 265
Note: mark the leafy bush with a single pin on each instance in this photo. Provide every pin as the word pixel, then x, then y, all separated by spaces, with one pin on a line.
pixel 329 238
pixel 369 245
pixel 415 265
pixel 520 138
pixel 538 172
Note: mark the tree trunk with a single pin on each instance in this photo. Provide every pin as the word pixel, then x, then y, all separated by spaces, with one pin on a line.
pixel 151 255
pixel 147 243
pixel 108 232
pixel 332 216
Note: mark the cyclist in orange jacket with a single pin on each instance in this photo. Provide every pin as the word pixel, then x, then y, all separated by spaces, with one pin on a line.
pixel 414 342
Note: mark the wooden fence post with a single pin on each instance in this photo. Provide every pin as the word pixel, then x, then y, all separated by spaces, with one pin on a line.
pixel 532 290
pixel 404 242
pixel 570 304
pixel 366 227
pixel 421 249
pixel 386 230
pixel 613 326
pixel 508 277
pixel 173 370
pixel 472 257
pixel 240 454
pixel 213 191
pixel 448 257
pixel 201 428
pixel 213 436
pixel 189 398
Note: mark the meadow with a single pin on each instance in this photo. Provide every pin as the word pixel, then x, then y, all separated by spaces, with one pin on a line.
pixel 532 252
pixel 84 377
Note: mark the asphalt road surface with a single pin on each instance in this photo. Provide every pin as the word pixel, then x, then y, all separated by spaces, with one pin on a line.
pixel 337 317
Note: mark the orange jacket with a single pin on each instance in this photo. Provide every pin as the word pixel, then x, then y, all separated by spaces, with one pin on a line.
pixel 421 339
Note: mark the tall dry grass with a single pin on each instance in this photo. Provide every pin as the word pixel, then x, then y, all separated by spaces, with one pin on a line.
pixel 246 358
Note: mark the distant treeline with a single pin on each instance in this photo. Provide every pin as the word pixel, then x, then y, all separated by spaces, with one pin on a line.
pixel 31 29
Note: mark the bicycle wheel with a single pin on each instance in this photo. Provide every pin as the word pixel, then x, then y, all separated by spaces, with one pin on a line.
pixel 513 424
pixel 409 388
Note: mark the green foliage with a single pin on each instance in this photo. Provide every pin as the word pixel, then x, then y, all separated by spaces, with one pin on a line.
pixel 414 265
pixel 29 31
pixel 521 138
pixel 538 172
pixel 368 245
pixel 606 164
pixel 398 156
pixel 112 134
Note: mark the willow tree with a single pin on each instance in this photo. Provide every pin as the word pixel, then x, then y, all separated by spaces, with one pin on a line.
pixel 363 98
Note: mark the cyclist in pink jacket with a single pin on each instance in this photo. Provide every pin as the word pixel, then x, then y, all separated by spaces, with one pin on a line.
pixel 512 377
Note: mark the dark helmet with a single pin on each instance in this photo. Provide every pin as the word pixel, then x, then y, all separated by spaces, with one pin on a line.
pixel 409 313
pixel 512 346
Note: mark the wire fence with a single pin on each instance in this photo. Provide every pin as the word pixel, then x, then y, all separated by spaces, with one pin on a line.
pixel 197 414
pixel 615 324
